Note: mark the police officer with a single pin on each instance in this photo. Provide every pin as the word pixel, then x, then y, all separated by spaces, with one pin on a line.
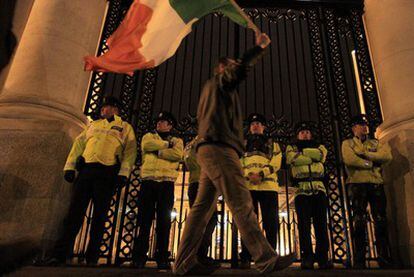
pixel 104 155
pixel 363 158
pixel 161 154
pixel 261 162
pixel 306 158
pixel 193 167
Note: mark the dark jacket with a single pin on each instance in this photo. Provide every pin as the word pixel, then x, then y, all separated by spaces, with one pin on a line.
pixel 219 115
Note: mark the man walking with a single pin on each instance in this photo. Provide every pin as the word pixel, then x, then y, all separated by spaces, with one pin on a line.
pixel 193 167
pixel 219 149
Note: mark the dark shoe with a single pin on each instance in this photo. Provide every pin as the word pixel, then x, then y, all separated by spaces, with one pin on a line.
pixel 284 261
pixel 245 264
pixel 325 266
pixel 16 254
pixel 164 265
pixel 207 261
pixel 203 269
pixel 50 261
pixel 385 263
pixel 139 264
pixel 359 265
pixel 92 264
pixel 306 265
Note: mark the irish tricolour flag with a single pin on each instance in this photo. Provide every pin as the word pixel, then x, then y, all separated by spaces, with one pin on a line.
pixel 153 30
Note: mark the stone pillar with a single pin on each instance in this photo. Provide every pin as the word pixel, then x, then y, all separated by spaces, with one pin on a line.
pixel 41 111
pixel 390 30
pixel 21 14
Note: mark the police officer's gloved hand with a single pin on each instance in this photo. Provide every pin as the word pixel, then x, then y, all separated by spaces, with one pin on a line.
pixel 121 181
pixel 170 144
pixel 69 176
pixel 375 164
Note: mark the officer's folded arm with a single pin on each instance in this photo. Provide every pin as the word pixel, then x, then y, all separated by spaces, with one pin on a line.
pixel 300 159
pixel 314 153
pixel 174 154
pixel 150 145
pixel 382 156
pixel 352 159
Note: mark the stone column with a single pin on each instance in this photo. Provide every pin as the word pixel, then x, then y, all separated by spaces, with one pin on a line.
pixel 21 14
pixel 390 30
pixel 41 111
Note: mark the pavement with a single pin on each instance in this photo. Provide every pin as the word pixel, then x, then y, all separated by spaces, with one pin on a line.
pixel 151 270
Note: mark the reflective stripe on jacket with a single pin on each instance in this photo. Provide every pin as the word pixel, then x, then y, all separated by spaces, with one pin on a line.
pixel 256 162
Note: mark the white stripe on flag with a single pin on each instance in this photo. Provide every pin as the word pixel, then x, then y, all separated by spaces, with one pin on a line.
pixel 164 33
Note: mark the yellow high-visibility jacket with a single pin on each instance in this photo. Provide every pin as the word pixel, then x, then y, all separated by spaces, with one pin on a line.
pixel 307 165
pixel 267 166
pixel 107 143
pixel 190 159
pixel 363 160
pixel 160 163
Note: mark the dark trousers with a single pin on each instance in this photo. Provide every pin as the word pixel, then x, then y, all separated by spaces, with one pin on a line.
pixel 313 208
pixel 206 242
pixel 96 182
pixel 269 206
pixel 360 195
pixel 154 197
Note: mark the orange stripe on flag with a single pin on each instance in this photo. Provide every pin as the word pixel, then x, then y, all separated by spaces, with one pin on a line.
pixel 124 44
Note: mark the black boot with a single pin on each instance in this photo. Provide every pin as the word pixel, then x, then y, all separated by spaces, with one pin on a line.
pixel 307 264
pixel 244 264
pixel 207 261
pixel 164 265
pixel 359 265
pixel 162 259
pixel 139 262
pixel 325 265
pixel 385 262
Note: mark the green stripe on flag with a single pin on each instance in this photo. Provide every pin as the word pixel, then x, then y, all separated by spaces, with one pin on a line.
pixel 230 11
pixel 190 9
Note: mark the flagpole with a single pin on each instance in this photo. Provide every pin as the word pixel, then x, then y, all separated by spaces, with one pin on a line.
pixel 250 23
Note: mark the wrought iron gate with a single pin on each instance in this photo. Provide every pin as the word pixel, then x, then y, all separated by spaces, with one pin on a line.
pixel 308 73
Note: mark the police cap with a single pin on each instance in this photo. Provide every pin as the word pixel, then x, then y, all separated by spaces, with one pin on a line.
pixel 305 125
pixel 256 117
pixel 110 101
pixel 360 119
pixel 167 116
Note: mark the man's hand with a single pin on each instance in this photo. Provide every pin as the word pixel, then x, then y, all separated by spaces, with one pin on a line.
pixel 69 176
pixel 262 40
